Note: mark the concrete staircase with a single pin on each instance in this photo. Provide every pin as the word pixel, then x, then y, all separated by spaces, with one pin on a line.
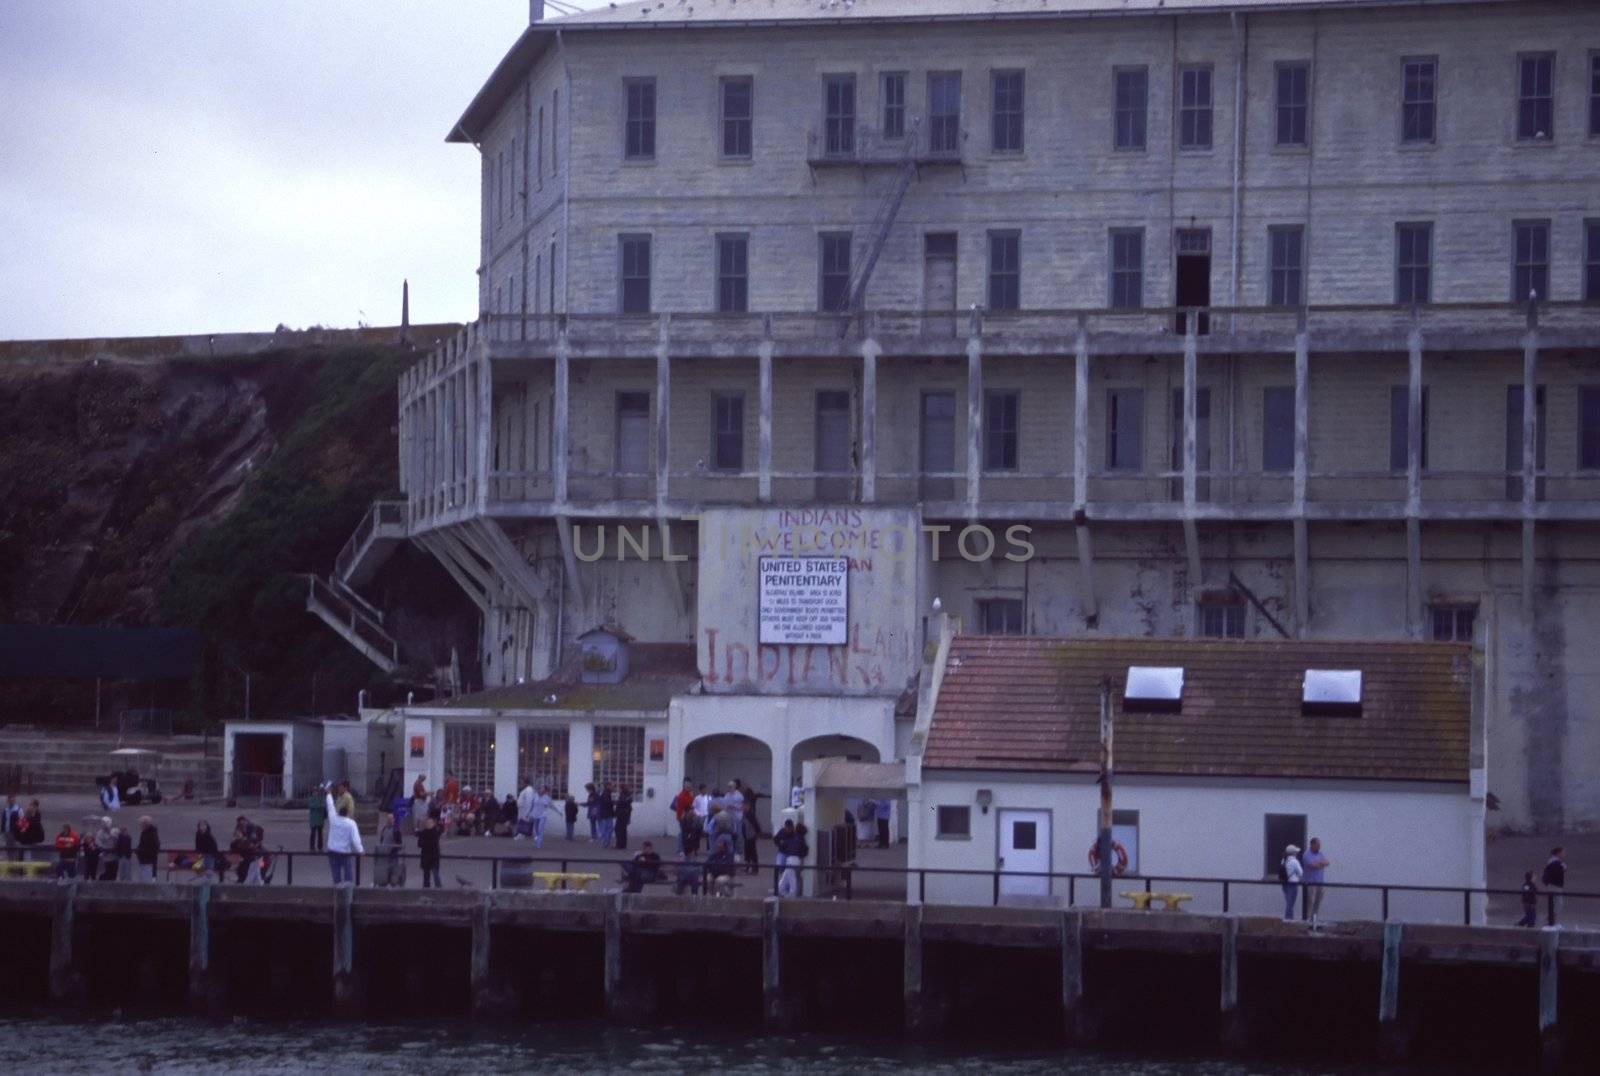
pixel 380 530
pixel 356 622
pixel 35 760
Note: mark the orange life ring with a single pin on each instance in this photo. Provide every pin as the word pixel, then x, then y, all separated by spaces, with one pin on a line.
pixel 1119 868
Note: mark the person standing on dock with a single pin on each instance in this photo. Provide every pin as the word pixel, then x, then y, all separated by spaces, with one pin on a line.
pixel 591 807
pixel 682 807
pixel 1555 880
pixel 9 818
pixel 608 814
pixel 148 849
pixel 623 813
pixel 540 813
pixel 885 812
pixel 1290 874
pixel 1315 864
pixel 344 844
pixel 67 844
pixel 419 802
pixel 316 817
pixel 525 799
pixel 1530 901
pixel 571 813
pixel 428 848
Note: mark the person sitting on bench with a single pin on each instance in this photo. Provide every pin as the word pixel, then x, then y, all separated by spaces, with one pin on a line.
pixel 720 867
pixel 689 875
pixel 642 869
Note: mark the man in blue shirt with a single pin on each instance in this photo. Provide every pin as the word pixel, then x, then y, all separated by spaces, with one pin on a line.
pixel 1315 863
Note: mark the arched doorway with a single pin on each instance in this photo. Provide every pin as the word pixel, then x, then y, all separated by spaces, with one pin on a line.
pixel 850 747
pixel 716 760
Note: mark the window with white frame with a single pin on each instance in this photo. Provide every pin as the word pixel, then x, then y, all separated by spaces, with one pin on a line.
pixel 469 755
pixel 1294 103
pixel 542 758
pixel 619 757
pixel 1418 98
pixel 1536 96
pixel 954 823
pixel 1194 107
pixel 1453 623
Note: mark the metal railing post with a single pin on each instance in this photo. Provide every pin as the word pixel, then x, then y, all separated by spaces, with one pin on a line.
pixel 1466 907
pixel 1224 897
pixel 922 886
pixel 1386 904
pixel 494 873
pixel 996 889
pixel 290 880
pixel 358 860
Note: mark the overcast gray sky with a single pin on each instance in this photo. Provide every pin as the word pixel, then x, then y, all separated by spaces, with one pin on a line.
pixel 191 166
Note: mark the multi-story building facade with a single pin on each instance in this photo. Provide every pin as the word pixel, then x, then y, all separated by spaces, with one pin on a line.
pixel 1097 316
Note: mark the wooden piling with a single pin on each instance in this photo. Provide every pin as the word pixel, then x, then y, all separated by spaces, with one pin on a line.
pixel 774 1009
pixel 1074 1025
pixel 916 1007
pixel 204 999
pixel 64 980
pixel 1549 1024
pixel 346 990
pixel 1391 1036
pixel 1233 1028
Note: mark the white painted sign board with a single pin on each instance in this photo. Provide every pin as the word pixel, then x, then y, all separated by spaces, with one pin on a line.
pixel 805 600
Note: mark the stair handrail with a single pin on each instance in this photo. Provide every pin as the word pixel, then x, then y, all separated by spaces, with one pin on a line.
pixel 361 625
pixel 883 220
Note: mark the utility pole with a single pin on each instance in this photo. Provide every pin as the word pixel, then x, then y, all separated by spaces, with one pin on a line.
pixel 1103 842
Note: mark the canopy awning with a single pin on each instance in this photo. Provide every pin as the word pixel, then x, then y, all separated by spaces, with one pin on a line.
pixel 844 775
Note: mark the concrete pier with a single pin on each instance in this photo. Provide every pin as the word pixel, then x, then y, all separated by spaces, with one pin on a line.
pixel 1197 980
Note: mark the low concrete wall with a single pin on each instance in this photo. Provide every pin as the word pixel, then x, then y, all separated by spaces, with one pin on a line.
pixel 213 345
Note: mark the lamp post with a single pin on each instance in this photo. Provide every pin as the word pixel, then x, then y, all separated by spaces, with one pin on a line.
pixel 1103 841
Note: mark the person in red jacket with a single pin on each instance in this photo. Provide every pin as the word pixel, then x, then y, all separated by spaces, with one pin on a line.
pixel 67 843
pixel 682 804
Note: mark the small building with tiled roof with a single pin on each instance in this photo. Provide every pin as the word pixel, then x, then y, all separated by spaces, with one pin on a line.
pixel 1224 752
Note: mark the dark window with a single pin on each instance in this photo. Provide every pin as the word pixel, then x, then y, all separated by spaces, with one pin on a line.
pixel 839 114
pixel 1594 95
pixel 894 104
pixel 1194 108
pixel 635 254
pixel 944 112
pixel 1530 267
pixel 738 98
pixel 1000 616
pixel 1007 112
pixel 955 822
pixel 633 433
pixel 1127 268
pixel 733 274
pixel 1294 102
pixel 1453 623
pixel 1024 836
pixel 1222 620
pixel 1413 263
pixel 639 132
pixel 1536 100
pixel 1124 429
pixel 1202 442
pixel 1005 270
pixel 834 270
pixel 1277 428
pixel 1286 265
pixel 1591 259
pixel 1000 430
pixel 1400 428
pixel 1132 100
pixel 1589 428
pixel 1282 830
pixel 1418 98
pixel 727 431
pixel 1514 442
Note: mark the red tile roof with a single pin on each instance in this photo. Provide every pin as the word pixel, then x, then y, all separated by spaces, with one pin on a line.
pixel 1027 704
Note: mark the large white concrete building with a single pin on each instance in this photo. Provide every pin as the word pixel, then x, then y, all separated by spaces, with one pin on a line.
pixel 1084 317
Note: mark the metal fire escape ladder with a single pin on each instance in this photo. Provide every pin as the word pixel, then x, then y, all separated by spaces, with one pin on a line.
pixel 882 222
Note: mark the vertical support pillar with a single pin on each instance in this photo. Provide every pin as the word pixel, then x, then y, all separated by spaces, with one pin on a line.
pixel 663 413
pixel 64 981
pixel 1072 1010
pixel 764 427
pixel 482 993
pixel 1414 447
pixel 1530 454
pixel 485 427
pixel 1191 372
pixel 346 994
pixel 1302 544
pixel 773 1004
pixel 916 1007
pixel 1549 1025
pixel 1080 474
pixel 203 997
pixel 616 1002
pixel 869 419
pixel 1391 1038
pixel 558 418
pixel 1233 1025
pixel 974 418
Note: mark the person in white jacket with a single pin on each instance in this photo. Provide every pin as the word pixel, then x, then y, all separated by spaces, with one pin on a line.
pixel 1289 874
pixel 344 844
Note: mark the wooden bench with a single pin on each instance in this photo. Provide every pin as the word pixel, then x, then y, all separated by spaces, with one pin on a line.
pixel 559 880
pixel 25 869
pixel 1173 902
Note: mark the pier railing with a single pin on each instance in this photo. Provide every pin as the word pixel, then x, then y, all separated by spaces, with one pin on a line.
pixel 1343 901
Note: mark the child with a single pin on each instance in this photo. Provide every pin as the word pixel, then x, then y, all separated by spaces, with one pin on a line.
pixel 1530 901
pixel 571 812
pixel 428 845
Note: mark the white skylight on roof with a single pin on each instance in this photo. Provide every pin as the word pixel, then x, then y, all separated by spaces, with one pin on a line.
pixel 1332 687
pixel 1153 687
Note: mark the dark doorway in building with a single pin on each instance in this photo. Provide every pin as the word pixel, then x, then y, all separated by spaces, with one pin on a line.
pixel 1193 276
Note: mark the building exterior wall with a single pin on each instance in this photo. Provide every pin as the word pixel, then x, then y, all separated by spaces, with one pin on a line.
pixel 1373 833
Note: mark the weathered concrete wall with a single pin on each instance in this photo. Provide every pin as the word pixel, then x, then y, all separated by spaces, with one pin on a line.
pixel 210 345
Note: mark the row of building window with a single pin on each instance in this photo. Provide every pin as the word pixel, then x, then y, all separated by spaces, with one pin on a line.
pixel 1124 426
pixel 1286 266
pixel 542 757
pixel 1418 114
pixel 503 200
pixel 1225 618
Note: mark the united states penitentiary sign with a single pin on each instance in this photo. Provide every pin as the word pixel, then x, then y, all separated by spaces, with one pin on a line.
pixel 804 600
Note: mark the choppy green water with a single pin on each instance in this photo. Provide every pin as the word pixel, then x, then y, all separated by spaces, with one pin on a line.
pixel 191 1046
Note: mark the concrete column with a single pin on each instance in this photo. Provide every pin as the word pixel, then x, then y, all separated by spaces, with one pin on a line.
pixel 1530 455
pixel 1072 1010
pixel 1549 1025
pixel 483 1002
pixel 65 983
pixel 1191 529
pixel 869 419
pixel 506 777
pixel 1391 1038
pixel 663 411
pixel 974 419
pixel 1233 1025
pixel 558 418
pixel 1302 545
pixel 764 427
pixel 1414 446
pixel 775 1007
pixel 580 762
pixel 346 991
pixel 485 427
pixel 917 1011
pixel 204 996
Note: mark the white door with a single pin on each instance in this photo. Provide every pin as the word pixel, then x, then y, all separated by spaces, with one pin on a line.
pixel 1024 849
